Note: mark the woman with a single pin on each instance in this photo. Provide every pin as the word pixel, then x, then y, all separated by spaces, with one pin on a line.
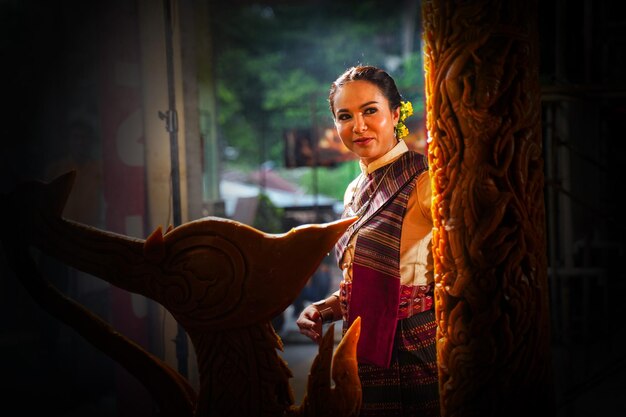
pixel 385 256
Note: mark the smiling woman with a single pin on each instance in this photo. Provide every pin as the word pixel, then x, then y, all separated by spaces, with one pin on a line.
pixel 385 255
pixel 365 120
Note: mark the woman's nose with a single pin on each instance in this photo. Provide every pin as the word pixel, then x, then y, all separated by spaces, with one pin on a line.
pixel 359 124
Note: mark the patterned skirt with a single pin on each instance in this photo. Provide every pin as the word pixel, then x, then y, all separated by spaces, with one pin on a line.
pixel 409 387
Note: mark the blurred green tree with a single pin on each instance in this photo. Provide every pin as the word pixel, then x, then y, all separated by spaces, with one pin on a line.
pixel 276 60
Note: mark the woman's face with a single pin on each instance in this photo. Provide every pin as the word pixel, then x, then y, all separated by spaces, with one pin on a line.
pixel 364 121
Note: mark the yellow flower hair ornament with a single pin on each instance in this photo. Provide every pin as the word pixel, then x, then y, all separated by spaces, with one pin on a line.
pixel 406 110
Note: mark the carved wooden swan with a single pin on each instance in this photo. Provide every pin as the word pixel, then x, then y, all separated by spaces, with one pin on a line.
pixel 221 280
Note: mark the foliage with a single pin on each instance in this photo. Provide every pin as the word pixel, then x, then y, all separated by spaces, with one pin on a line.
pixel 410 81
pixel 275 64
pixel 268 216
pixel 330 181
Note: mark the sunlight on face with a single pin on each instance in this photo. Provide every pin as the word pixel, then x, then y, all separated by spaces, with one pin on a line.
pixel 364 121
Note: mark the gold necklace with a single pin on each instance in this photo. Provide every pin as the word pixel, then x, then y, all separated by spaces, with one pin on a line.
pixel 350 212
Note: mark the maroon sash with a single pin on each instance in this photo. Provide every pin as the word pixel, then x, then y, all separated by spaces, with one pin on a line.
pixel 376 265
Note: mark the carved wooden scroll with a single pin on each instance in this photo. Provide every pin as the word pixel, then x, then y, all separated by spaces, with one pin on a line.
pixel 221 280
pixel 485 154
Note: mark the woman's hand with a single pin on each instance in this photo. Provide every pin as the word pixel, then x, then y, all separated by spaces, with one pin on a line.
pixel 310 323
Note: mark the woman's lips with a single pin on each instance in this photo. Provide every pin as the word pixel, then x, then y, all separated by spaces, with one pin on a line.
pixel 362 141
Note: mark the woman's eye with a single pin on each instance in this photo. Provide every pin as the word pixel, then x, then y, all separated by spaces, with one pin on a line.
pixel 343 116
pixel 370 110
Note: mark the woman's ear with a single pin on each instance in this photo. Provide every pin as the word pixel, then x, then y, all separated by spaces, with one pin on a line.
pixel 395 115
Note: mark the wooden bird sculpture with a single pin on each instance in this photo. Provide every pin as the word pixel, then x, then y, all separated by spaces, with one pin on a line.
pixel 221 280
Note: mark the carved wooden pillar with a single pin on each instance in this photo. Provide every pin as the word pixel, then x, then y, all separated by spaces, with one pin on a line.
pixel 484 115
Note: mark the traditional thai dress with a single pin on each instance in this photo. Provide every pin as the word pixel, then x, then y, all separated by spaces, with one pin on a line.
pixel 387 270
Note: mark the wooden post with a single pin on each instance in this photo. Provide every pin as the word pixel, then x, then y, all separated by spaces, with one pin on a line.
pixel 489 242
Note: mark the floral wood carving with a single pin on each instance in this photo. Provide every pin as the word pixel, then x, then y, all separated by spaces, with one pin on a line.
pixel 485 154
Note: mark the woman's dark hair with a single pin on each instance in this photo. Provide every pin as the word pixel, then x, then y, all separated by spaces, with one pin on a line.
pixel 374 75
